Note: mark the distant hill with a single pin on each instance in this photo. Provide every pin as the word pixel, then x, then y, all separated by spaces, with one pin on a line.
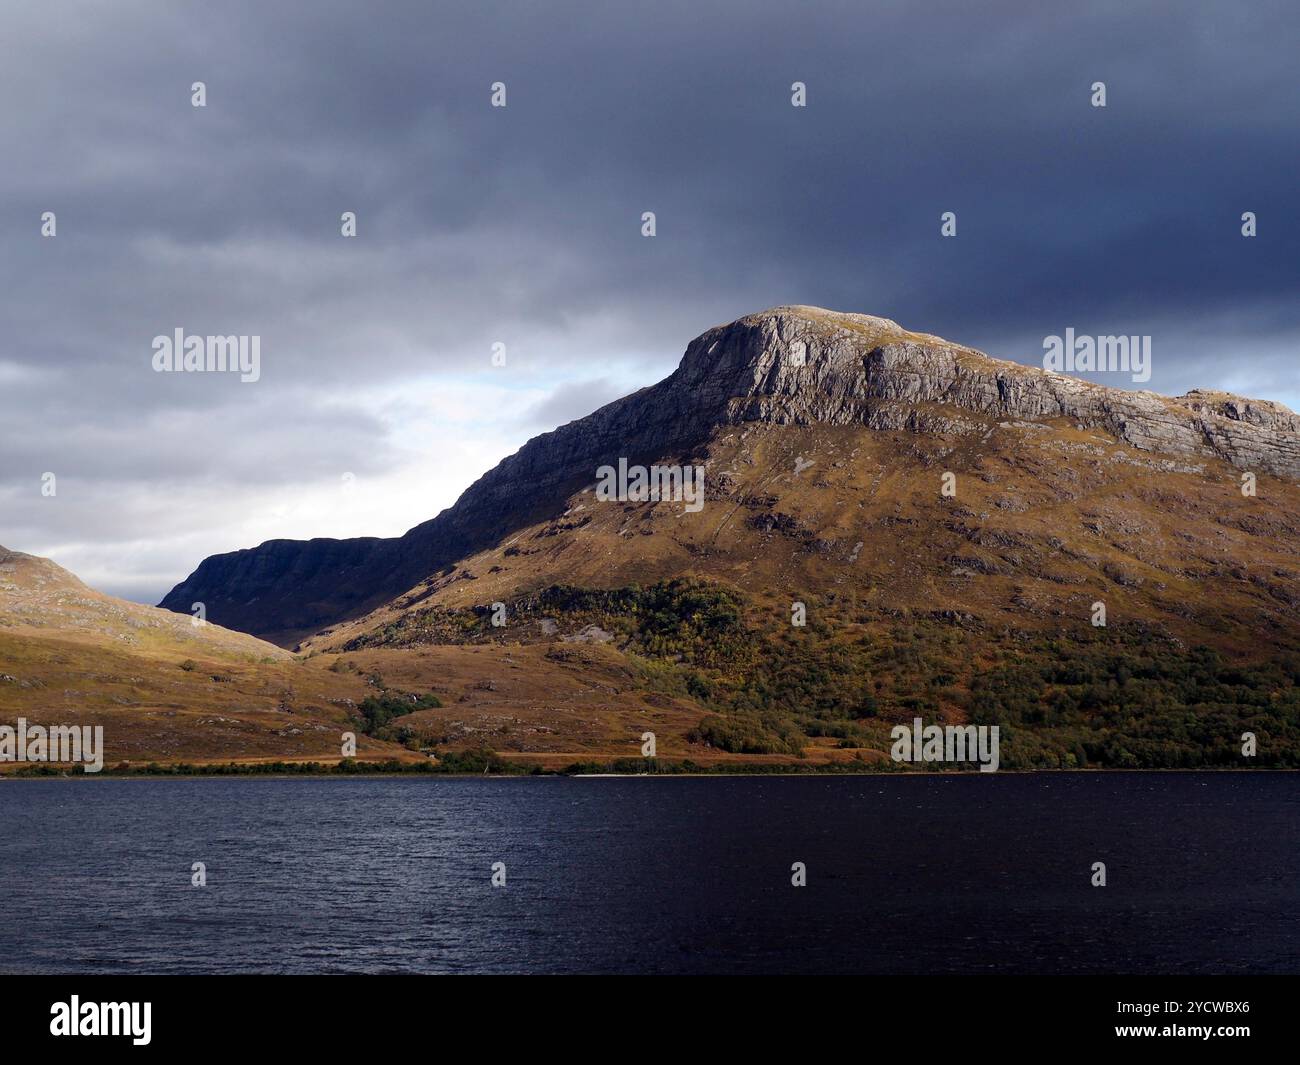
pixel 162 688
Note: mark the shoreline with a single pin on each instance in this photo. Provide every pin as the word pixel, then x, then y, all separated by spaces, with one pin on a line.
pixel 238 770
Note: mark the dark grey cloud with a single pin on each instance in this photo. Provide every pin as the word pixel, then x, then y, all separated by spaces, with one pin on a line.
pixel 521 225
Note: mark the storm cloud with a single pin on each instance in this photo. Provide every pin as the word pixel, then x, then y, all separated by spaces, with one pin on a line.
pixel 521 226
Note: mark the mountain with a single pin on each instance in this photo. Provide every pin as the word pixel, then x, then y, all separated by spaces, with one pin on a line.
pixel 857 370
pixel 163 688
pixel 945 525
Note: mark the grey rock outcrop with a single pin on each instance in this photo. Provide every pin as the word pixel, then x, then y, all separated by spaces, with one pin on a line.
pixel 857 369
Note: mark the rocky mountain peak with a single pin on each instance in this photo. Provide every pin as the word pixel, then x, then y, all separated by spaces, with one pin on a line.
pixel 800 365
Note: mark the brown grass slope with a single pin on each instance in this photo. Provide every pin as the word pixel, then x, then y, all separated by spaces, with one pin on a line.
pixel 1046 520
pixel 929 594
pixel 163 689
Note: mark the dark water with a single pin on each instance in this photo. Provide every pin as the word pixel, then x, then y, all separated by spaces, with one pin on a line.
pixel 978 873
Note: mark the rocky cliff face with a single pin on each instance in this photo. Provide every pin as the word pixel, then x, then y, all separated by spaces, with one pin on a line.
pixel 863 370
pixel 786 366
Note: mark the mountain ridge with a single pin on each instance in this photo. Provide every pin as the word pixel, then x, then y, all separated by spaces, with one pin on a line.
pixel 790 365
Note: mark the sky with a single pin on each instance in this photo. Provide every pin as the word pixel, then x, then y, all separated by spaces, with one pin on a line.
pixel 378 400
